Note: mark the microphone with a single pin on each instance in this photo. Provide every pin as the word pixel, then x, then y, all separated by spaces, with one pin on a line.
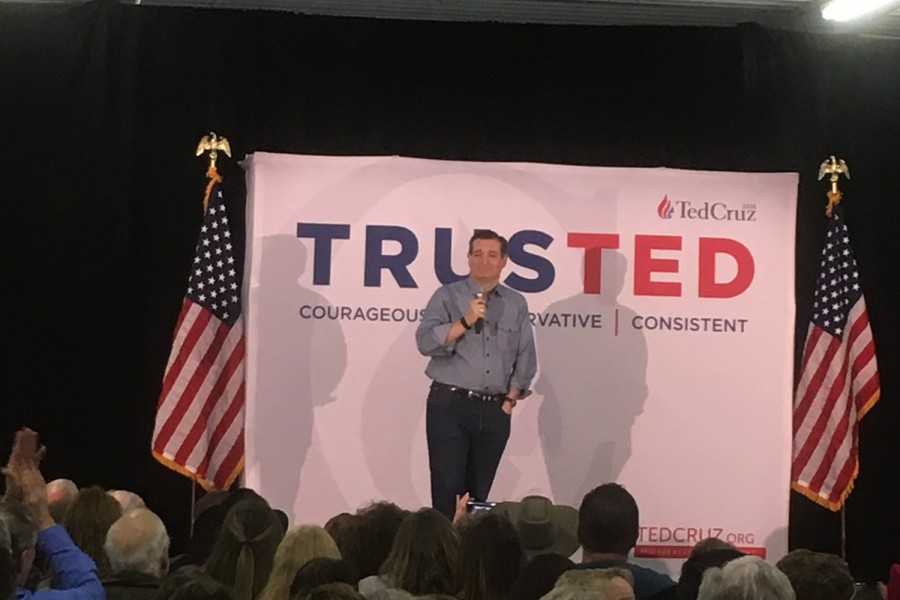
pixel 479 322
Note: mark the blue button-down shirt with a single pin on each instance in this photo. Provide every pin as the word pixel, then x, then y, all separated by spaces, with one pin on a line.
pixel 499 358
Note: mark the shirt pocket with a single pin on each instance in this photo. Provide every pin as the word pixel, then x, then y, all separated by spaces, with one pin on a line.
pixel 508 337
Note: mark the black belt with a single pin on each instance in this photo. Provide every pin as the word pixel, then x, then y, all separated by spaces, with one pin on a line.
pixel 471 395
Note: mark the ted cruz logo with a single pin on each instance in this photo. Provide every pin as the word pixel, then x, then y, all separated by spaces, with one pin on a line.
pixel 705 211
pixel 665 208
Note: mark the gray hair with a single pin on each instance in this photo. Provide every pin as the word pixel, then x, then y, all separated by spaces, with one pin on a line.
pixel 745 578
pixel 138 542
pixel 129 501
pixel 61 494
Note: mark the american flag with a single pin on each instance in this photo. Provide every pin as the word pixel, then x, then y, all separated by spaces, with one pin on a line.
pixel 199 428
pixel 838 377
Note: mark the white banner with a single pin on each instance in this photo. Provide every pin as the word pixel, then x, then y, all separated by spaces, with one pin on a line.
pixel 663 308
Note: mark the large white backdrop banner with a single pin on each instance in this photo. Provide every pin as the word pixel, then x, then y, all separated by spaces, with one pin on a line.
pixel 663 309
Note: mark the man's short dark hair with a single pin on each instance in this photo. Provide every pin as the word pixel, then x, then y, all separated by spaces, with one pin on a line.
pixel 696 565
pixel 608 520
pixel 488 234
pixel 817 575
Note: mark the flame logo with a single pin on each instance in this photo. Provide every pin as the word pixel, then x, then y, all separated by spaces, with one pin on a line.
pixel 665 208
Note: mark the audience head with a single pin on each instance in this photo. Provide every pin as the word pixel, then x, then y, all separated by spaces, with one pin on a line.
pixel 424 556
pixel 539 576
pixel 745 578
pixel 128 501
pixel 333 591
pixel 243 555
pixel 60 495
pixel 711 543
pixel 342 528
pixel 299 546
pixel 817 575
pixel 89 518
pixel 191 583
pixel 490 557
pixel 23 538
pixel 209 500
pixel 608 520
pixel 138 543
pixel 594 584
pixel 375 530
pixel 543 526
pixel 7 566
pixel 696 565
pixel 319 571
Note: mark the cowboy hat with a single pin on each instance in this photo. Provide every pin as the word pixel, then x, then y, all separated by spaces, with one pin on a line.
pixel 543 526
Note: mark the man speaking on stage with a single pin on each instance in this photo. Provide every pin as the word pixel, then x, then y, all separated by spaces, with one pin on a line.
pixel 478 336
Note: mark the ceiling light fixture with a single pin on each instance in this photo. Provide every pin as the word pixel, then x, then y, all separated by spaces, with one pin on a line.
pixel 846 10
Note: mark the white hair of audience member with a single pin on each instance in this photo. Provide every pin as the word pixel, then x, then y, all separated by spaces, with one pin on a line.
pixel 593 584
pixel 129 501
pixel 60 495
pixel 138 543
pixel 745 578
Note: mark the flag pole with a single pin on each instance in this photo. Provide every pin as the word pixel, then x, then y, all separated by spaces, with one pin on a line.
pixel 844 531
pixel 211 143
pixel 193 503
pixel 835 167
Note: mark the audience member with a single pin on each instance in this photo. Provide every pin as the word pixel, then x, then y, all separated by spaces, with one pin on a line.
pixel 490 558
pixel 60 495
pixel 870 591
pixel 191 583
pixel 540 575
pixel 892 589
pixel 817 575
pixel 342 528
pixel 7 567
pixel 128 501
pixel 423 557
pixel 137 546
pixel 608 531
pixel 32 528
pixel 87 521
pixel 319 571
pixel 374 532
pixel 745 578
pixel 243 555
pixel 695 566
pixel 593 584
pixel 711 543
pixel 333 591
pixel 206 530
pixel 543 527
pixel 298 547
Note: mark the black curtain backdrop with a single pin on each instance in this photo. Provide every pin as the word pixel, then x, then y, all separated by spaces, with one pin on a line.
pixel 101 106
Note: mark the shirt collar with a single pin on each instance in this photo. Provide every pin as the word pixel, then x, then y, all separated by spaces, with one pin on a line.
pixel 475 288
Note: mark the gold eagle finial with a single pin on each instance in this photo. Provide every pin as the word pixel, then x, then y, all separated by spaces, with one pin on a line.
pixel 835 167
pixel 213 143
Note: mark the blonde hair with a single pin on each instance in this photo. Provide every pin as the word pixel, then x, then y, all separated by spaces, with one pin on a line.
pixel 299 546
pixel 581 584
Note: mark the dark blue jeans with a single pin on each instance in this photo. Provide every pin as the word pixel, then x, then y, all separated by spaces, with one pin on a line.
pixel 466 438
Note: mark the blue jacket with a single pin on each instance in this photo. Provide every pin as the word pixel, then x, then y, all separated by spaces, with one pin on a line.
pixel 74 569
